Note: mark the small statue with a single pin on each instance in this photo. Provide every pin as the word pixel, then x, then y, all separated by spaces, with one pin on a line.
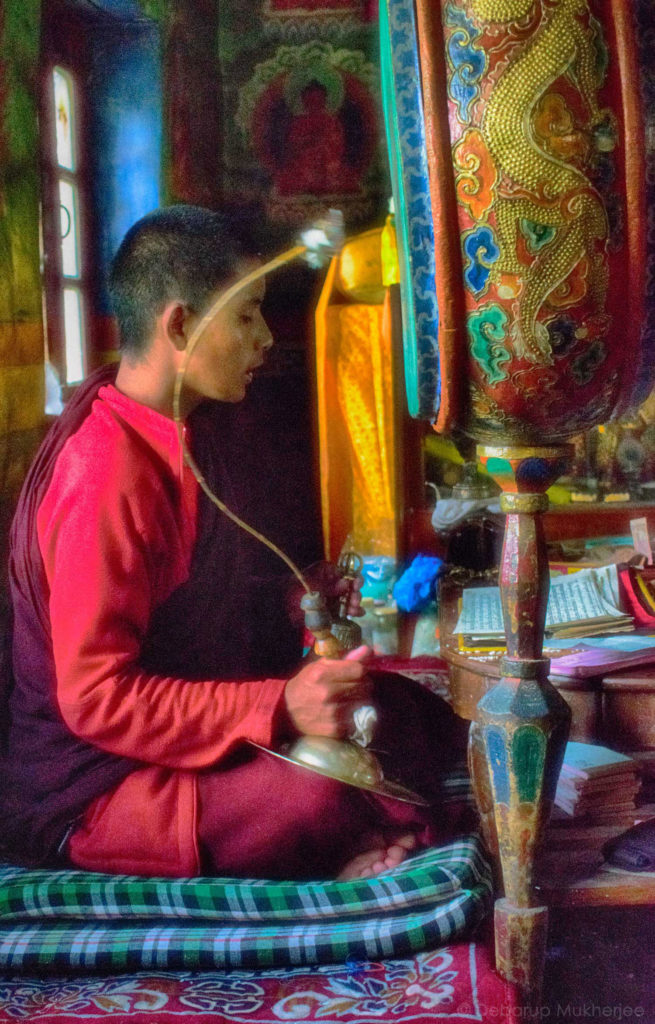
pixel 347 632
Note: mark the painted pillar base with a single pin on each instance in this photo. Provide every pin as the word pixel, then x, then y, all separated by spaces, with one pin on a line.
pixel 521 934
pixel 522 723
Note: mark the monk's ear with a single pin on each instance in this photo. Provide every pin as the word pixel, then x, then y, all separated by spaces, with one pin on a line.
pixel 175 321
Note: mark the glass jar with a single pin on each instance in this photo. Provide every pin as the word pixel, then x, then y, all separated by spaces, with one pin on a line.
pixel 385 627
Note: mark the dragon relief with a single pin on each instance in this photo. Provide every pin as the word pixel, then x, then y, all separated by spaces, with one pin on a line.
pixel 537 189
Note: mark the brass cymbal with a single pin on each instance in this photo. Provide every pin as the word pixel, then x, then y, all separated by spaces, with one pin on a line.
pixel 345 762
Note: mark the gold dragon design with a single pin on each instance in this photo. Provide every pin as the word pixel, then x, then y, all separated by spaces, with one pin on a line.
pixel 536 185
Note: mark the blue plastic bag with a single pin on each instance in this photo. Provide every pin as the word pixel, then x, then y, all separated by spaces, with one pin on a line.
pixel 416 587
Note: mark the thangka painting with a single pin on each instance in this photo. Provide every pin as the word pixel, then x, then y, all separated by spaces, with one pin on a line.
pixel 300 97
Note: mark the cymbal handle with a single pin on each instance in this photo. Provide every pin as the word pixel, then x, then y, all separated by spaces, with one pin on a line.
pixel 319 623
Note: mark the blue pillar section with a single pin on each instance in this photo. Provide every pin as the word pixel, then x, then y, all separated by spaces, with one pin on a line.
pixel 126 116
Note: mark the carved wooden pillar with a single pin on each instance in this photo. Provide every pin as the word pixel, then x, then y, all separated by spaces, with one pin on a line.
pixel 523 722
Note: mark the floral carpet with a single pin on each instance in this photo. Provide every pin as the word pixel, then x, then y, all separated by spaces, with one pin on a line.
pixel 455 985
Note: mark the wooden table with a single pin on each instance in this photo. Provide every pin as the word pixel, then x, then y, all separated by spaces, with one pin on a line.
pixel 605 887
pixel 629 708
pixel 471 676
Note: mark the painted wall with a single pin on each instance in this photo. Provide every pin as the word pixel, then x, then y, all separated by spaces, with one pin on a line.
pixel 21 332
pixel 125 87
pixel 126 145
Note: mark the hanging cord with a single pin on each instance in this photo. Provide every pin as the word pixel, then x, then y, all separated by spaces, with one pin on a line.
pixel 214 310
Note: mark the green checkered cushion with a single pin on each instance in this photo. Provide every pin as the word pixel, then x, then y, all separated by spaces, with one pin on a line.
pixel 125 922
pixel 434 876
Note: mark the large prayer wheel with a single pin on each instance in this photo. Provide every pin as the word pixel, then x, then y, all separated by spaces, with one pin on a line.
pixel 520 137
pixel 518 131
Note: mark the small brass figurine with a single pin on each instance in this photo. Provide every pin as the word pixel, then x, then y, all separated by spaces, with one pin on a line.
pixel 348 632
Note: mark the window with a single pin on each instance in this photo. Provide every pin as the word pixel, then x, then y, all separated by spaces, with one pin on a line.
pixel 65 274
pixel 101 149
pixel 69 202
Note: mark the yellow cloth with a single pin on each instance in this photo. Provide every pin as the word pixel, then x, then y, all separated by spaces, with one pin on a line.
pixel 389 253
pixel 356 425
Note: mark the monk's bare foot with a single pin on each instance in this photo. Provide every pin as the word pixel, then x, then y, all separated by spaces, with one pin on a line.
pixel 382 856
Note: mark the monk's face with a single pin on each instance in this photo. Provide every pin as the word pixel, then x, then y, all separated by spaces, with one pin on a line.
pixel 231 348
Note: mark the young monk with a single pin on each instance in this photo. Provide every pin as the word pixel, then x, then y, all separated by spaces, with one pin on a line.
pixel 151 639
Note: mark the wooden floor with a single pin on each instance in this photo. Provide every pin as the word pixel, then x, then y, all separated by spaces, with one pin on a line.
pixel 605 887
pixel 600 965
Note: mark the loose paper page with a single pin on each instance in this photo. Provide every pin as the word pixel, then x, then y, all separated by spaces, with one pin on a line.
pixel 641 538
pixel 482 612
pixel 575 598
pixel 607 578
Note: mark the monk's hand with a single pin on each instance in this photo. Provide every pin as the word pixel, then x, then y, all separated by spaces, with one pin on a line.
pixel 321 699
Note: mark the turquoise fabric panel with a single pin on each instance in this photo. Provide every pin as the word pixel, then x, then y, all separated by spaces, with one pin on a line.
pixel 405 129
pixel 642 12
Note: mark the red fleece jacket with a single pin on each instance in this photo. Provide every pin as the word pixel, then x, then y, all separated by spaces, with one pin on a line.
pixel 116 531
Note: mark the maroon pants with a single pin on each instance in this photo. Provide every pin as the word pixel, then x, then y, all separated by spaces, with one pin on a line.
pixel 263 817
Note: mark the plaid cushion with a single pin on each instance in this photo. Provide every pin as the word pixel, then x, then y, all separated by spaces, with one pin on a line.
pixel 433 876
pixel 456 784
pixel 432 898
pixel 115 946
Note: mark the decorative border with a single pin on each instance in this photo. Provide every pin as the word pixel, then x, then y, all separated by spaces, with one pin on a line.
pixel 326 9
pixel 295 23
pixel 449 985
pixel 403 113
pixel 645 37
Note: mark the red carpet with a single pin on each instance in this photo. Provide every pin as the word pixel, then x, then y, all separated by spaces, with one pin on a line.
pixel 453 985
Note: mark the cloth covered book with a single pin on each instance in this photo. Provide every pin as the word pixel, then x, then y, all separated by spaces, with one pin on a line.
pixel 590 760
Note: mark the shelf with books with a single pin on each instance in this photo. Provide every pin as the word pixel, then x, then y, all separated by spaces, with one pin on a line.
pixel 587 670
pixel 600 795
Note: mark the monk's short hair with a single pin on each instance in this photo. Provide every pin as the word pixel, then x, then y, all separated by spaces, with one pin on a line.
pixel 175 253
